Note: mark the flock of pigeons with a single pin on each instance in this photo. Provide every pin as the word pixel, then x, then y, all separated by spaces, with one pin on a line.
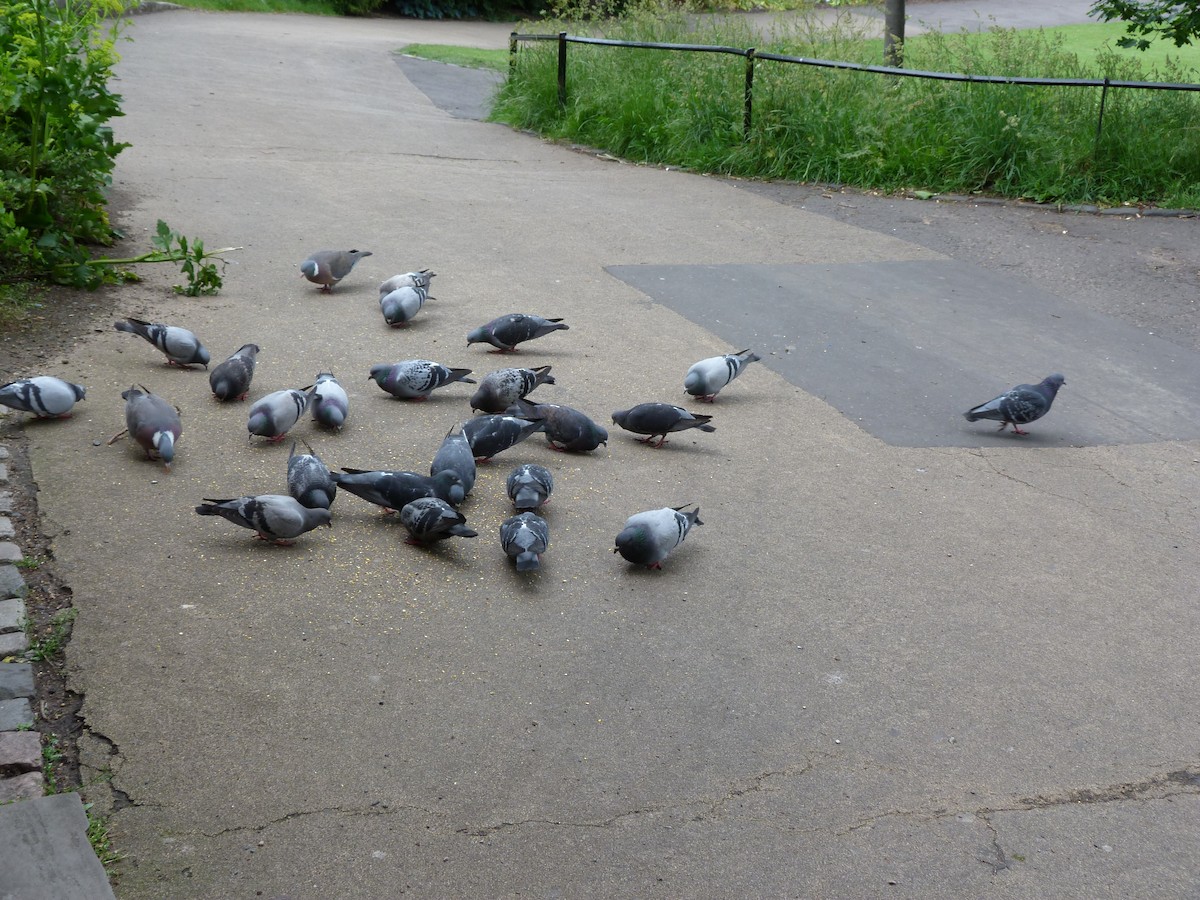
pixel 427 505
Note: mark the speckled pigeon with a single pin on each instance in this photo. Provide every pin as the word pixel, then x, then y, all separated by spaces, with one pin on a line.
pixel 416 379
pixel 328 267
pixel 506 332
pixel 501 389
pixel 455 456
pixel 274 517
pixel 153 423
pixel 429 519
pixel 653 419
pixel 529 486
pixel 309 480
pixel 489 435
pixel 705 379
pixel 1023 404
pixel 43 395
pixel 419 279
pixel 648 537
pixel 274 415
pixel 399 306
pixel 230 380
pixel 393 490
pixel 330 405
pixel 525 538
pixel 566 428
pixel 181 347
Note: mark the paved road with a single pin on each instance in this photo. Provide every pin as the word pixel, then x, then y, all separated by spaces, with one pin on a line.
pixel 877 669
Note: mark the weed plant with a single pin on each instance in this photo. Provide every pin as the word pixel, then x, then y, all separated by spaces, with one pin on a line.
pixel 865 129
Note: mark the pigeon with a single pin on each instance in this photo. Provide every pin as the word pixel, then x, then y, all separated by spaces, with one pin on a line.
pixel 43 395
pixel 230 380
pixel 529 486
pixel 274 415
pixel 429 519
pixel 182 348
pixel 309 480
pixel 455 456
pixel 706 378
pixel 659 419
pixel 393 490
pixel 506 332
pixel 330 405
pixel 1023 404
pixel 501 389
pixel 648 537
pixel 276 518
pixel 525 537
pixel 419 279
pixel 416 379
pixel 328 267
pixel 153 422
pixel 489 435
pixel 399 306
pixel 566 428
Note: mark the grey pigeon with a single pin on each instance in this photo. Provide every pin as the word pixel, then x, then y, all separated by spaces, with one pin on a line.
pixel 330 405
pixel 566 428
pixel 429 519
pixel 274 415
pixel 659 419
pixel 153 423
pixel 1023 404
pixel 43 395
pixel 231 379
pixel 416 379
pixel 419 279
pixel 455 456
pixel 399 306
pixel 328 267
pixel 309 480
pixel 181 347
pixel 501 389
pixel 276 518
pixel 706 378
pixel 525 538
pixel 489 435
pixel 529 486
pixel 506 332
pixel 648 537
pixel 394 490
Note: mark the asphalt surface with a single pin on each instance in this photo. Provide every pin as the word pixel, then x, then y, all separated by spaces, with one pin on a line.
pixel 878 669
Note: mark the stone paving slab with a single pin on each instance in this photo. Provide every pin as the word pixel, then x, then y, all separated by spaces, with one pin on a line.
pixel 16 680
pixel 45 854
pixel 13 644
pixel 15 713
pixel 12 612
pixel 29 786
pixel 10 552
pixel 20 752
pixel 12 584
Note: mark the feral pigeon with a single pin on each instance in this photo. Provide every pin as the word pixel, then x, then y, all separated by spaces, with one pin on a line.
pixel 506 332
pixel 659 419
pixel 489 435
pixel 419 279
pixel 276 518
pixel 330 405
pixel 393 490
pixel 43 395
pixel 501 389
pixel 309 481
pixel 430 519
pixel 153 423
pixel 1023 404
pixel 181 347
pixel 706 378
pixel 399 306
pixel 566 428
pixel 328 267
pixel 648 537
pixel 524 538
pixel 274 415
pixel 416 379
pixel 529 486
pixel 455 456
pixel 231 379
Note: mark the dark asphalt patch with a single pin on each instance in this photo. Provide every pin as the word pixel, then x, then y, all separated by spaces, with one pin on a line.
pixel 464 93
pixel 903 348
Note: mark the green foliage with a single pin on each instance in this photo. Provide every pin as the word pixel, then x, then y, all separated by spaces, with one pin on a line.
pixel 471 57
pixel 865 129
pixel 202 277
pixel 1176 20
pixel 57 151
pixel 466 9
pixel 51 756
pixel 101 841
pixel 51 644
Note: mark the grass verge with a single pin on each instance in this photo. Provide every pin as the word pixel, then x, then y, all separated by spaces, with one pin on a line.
pixel 308 7
pixel 471 57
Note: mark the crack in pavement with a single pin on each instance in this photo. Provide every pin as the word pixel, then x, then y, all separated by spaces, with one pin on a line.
pixel 378 808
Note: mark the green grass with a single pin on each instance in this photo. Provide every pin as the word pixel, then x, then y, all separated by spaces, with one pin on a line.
pixel 311 7
pixel 471 57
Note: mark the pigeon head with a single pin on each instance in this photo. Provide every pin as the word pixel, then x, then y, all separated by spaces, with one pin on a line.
pixel 450 486
pixel 308 268
pixel 478 336
pixel 202 356
pixel 635 544
pixel 79 390
pixel 164 443
pixel 320 516
pixel 1054 382
pixel 599 435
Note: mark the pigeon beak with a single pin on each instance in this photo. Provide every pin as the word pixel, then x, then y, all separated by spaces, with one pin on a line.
pixel 615 549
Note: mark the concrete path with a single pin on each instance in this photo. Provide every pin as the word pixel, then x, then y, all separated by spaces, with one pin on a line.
pixel 876 670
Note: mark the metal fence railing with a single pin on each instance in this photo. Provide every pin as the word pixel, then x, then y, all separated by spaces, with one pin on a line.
pixel 752 55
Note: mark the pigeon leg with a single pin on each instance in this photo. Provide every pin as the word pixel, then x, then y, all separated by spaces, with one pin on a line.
pixel 1017 430
pixel 555 447
pixel 661 441
pixel 420 399
pixel 277 438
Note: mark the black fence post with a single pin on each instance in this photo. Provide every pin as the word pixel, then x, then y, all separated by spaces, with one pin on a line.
pixel 748 113
pixel 512 51
pixel 562 70
pixel 1100 119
